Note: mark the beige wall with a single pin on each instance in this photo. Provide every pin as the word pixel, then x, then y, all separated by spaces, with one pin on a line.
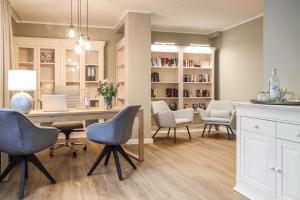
pixel 181 39
pixel 239 61
pixel 58 31
pixel 281 43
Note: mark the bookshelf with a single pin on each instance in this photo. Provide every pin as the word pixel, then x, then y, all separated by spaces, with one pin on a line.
pixel 57 64
pixel 182 75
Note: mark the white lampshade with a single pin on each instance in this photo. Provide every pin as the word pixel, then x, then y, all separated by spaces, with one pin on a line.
pixel 21 80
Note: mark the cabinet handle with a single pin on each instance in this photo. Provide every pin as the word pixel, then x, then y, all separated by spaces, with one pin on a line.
pixel 272 168
pixel 278 170
pixel 256 127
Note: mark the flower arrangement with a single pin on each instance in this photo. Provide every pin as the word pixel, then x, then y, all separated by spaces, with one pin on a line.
pixel 108 90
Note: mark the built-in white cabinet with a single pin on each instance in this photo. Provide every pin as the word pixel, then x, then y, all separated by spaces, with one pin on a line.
pixel 56 64
pixel 288 173
pixel 268 152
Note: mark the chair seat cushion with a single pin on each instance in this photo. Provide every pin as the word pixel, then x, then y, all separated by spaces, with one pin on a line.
pixel 67 125
pixel 182 121
pixel 215 120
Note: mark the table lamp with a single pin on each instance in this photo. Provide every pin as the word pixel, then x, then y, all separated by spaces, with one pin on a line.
pixel 21 80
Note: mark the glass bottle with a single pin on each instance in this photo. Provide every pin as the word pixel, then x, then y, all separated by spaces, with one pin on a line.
pixel 274 86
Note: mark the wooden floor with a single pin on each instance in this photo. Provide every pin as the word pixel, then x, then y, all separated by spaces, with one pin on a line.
pixel 201 169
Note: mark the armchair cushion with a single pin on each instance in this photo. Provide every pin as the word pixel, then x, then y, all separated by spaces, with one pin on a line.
pixel 166 119
pixel 181 121
pixel 215 120
pixel 220 114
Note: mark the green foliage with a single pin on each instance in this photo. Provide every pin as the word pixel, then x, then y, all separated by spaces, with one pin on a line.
pixel 107 89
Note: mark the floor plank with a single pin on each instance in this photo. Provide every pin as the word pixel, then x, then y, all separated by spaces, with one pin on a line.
pixel 201 169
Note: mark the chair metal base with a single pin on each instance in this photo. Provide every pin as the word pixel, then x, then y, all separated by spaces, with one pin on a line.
pixel 23 161
pixel 228 128
pixel 67 143
pixel 187 127
pixel 107 152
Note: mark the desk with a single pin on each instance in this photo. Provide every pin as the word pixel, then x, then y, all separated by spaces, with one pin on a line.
pixel 38 116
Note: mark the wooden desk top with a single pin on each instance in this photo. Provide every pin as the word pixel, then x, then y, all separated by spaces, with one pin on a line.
pixel 74 111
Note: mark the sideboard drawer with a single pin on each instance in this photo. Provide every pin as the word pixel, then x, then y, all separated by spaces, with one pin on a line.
pixel 258 126
pixel 289 132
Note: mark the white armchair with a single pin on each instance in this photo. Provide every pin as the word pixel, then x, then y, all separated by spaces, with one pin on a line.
pixel 218 113
pixel 165 118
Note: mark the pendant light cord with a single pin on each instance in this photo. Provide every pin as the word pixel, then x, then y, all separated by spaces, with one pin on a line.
pixel 87 17
pixel 71 12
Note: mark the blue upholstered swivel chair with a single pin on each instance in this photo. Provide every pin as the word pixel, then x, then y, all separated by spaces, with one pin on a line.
pixel 21 139
pixel 113 133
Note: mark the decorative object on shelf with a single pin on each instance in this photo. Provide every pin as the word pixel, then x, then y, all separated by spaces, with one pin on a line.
pixel 47 56
pixel 108 90
pixel 171 92
pixel 155 77
pixel 21 80
pixel 173 106
pixel 90 73
pixel 205 93
pixel 83 41
pixel 164 62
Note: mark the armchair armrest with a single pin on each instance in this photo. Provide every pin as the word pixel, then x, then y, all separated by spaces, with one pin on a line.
pixel 165 119
pixel 232 114
pixel 203 113
pixel 184 113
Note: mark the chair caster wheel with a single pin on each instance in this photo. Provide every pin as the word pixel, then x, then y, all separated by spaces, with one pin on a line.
pixel 51 154
pixel 74 154
pixel 85 148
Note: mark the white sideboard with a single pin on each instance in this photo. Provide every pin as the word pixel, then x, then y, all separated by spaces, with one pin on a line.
pixel 268 151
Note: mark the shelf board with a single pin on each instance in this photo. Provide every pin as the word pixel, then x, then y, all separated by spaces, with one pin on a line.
pixel 121 99
pixel 154 98
pixel 26 63
pixel 121 66
pixel 161 67
pixel 72 81
pixel 92 64
pixel 121 82
pixel 91 81
pixel 197 97
pixel 198 82
pixel 200 68
pixel 164 82
pixel 50 81
pixel 47 63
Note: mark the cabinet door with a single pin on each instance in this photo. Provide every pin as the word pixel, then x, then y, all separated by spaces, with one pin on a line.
pixel 258 161
pixel 288 170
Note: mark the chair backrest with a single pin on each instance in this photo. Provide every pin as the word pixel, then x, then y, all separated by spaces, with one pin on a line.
pixel 72 93
pixel 123 123
pixel 13 129
pixel 220 105
pixel 159 106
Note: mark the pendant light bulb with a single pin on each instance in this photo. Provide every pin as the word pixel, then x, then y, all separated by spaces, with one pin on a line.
pixel 71 31
pixel 81 39
pixel 77 48
pixel 87 43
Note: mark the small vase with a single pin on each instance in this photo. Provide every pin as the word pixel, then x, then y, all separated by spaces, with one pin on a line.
pixel 108 102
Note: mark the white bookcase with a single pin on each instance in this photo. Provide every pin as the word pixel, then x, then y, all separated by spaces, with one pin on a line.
pixel 187 69
pixel 57 64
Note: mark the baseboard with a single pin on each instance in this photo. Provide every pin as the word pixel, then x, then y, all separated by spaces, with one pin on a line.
pixel 135 141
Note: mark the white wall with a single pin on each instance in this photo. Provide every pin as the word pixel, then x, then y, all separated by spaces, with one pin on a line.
pixel 282 43
pixel 239 61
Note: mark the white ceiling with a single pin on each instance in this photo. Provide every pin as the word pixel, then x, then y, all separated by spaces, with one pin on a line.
pixel 194 16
